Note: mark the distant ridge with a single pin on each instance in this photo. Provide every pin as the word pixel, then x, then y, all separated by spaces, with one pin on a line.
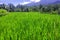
pixel 38 3
pixel 57 2
pixel 41 2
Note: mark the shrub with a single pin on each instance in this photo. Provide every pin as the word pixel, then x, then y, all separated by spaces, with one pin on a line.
pixel 3 12
pixel 54 12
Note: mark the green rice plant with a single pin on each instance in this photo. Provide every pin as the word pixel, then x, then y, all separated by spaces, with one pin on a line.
pixel 29 26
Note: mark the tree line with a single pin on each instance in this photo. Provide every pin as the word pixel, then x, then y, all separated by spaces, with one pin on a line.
pixel 54 8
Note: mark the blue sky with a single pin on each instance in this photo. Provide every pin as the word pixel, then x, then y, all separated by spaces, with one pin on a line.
pixel 15 2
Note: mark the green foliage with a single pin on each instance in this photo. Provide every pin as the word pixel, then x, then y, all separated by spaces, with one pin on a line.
pixel 54 12
pixel 36 8
pixel 59 11
pixel 3 12
pixel 29 26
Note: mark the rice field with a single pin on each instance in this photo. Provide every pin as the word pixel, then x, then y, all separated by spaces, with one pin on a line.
pixel 29 26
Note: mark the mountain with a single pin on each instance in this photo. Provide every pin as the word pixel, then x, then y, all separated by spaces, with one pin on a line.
pixel 57 2
pixel 43 2
pixel 33 3
pixel 38 3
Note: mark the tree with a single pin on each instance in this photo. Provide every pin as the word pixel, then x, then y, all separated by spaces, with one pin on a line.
pixel 55 7
pixel 26 9
pixel 11 7
pixel 40 6
pixel 21 7
pixel 46 9
pixel 59 11
pixel 2 6
pixel 35 9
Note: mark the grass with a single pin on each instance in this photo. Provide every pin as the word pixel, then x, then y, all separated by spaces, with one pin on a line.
pixel 29 26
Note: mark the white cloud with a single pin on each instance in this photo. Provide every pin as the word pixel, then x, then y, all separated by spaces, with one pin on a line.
pixel 25 3
pixel 34 0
